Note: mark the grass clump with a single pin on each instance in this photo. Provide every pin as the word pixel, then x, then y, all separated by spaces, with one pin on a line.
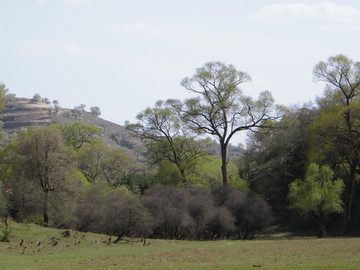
pixel 6 234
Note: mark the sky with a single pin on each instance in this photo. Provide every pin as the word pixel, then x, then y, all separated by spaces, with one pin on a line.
pixel 123 55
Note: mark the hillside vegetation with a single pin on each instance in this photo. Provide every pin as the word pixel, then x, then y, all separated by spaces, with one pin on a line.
pixel 21 113
pixel 173 174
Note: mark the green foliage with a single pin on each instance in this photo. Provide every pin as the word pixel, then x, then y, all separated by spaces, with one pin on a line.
pixel 39 164
pixel 342 78
pixel 3 95
pixel 78 134
pixel 220 109
pixel 318 192
pixel 37 219
pixel 137 183
pixel 209 175
pixel 6 234
pixel 167 138
pixel 98 162
pixel 167 174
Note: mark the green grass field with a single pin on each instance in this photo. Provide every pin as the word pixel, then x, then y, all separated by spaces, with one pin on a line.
pixel 36 247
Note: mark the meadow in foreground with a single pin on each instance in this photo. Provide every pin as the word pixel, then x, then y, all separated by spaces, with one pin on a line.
pixel 36 247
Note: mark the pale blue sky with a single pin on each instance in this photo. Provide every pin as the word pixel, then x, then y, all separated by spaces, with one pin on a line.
pixel 123 55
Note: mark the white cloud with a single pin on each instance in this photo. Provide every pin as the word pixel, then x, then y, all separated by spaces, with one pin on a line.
pixel 137 29
pixel 327 14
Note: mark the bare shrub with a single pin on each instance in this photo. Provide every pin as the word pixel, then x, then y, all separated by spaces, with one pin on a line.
pixel 166 205
pixel 187 213
pixel 114 212
pixel 251 213
pixel 123 215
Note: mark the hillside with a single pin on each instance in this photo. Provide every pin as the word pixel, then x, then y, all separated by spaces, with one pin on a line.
pixel 21 113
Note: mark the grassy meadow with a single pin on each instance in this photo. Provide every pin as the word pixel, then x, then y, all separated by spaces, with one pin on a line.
pixel 36 247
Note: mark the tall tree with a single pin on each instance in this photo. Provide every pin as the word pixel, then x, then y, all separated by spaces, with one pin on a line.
pixel 339 123
pixel 167 138
pixel 221 110
pixel 318 194
pixel 342 78
pixel 44 161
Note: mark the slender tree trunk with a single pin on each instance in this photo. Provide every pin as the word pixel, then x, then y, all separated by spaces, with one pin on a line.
pixel 224 163
pixel 45 207
pixel 183 175
pixel 349 197
pixel 321 225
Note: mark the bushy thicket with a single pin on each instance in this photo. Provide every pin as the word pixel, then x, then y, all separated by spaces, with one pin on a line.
pixel 114 212
pixel 196 213
pixel 172 213
pixel 162 212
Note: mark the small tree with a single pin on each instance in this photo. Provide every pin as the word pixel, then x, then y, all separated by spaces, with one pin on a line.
pixel 317 194
pixel 47 101
pixel 56 105
pixel 36 98
pixel 95 111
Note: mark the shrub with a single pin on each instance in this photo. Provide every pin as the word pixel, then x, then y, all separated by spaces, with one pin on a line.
pixel 166 205
pixel 251 212
pixel 187 213
pixel 115 212
pixel 123 215
pixel 5 234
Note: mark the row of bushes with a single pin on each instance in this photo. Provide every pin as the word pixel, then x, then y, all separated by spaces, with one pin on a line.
pixel 162 212
pixel 174 213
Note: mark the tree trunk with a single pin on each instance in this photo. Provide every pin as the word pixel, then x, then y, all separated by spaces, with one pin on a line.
pixel 349 197
pixel 224 163
pixel 45 207
pixel 321 226
pixel 183 175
